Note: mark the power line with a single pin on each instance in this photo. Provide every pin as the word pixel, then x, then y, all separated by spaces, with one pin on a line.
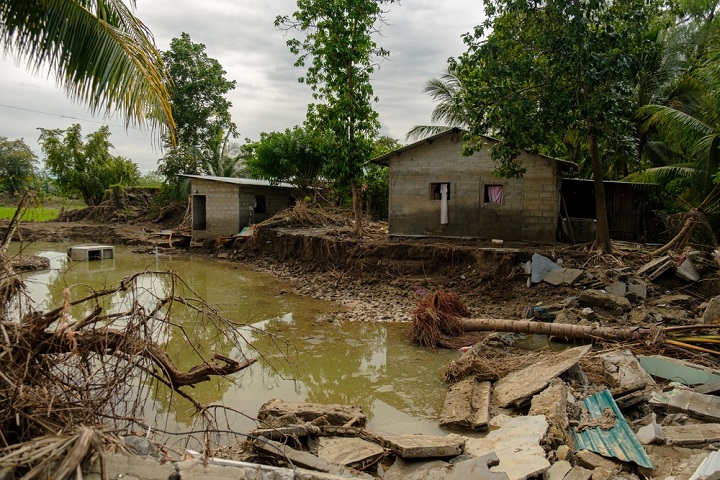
pixel 67 116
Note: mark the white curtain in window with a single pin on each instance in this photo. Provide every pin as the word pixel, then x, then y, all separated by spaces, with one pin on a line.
pixel 496 193
pixel 443 203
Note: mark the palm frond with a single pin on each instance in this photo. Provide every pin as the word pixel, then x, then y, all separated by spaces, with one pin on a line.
pixel 679 129
pixel 661 175
pixel 99 53
pixel 419 132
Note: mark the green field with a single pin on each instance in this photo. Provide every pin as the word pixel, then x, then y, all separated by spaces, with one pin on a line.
pixel 34 214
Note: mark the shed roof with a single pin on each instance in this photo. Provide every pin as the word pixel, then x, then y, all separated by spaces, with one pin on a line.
pixel 239 181
pixel 385 159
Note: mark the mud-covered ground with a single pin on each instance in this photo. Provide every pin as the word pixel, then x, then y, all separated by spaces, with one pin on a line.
pixel 379 278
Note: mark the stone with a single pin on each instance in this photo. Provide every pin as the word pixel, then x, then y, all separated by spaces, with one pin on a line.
pixel 563 452
pixel 553 404
pixel 540 267
pixel 601 474
pixel 617 288
pixel 603 300
pixel 563 276
pixel 578 473
pixel 517 387
pixel 426 446
pixel 349 451
pixel 636 289
pixel 712 311
pixel 557 470
pixel 623 373
pixel 139 445
pixel 467 405
pixel 708 388
pixel 517 445
pixel 692 434
pixel 402 469
pixel 592 460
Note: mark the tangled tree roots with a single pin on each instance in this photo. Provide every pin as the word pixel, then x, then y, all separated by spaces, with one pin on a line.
pixel 436 321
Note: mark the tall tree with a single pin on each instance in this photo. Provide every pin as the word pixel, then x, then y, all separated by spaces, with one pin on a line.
pixel 199 107
pixel 536 73
pixel 98 51
pixel 340 47
pixel 295 156
pixel 17 165
pixel 85 166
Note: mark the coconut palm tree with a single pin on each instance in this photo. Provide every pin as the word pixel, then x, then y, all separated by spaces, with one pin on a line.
pixel 450 112
pixel 99 52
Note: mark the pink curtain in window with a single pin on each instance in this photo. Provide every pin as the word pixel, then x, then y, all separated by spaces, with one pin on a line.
pixel 496 193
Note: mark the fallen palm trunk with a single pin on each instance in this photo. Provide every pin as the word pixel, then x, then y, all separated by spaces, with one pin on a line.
pixel 588 332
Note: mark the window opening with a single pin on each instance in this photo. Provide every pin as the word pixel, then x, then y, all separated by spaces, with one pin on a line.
pixel 435 191
pixel 495 194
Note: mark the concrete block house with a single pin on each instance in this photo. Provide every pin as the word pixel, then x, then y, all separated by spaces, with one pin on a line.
pixel 436 191
pixel 223 206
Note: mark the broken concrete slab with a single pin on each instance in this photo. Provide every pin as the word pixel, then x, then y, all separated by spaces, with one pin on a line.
pixel 697 405
pixel 578 473
pixel 650 433
pixel 686 270
pixel 563 276
pixel 709 389
pixel 712 311
pixel 603 300
pixel 517 387
pixel 477 467
pixel 284 453
pixel 349 451
pixel 623 373
pixel 591 460
pixel 335 414
pixel 655 265
pixel 678 370
pixel 540 267
pixel 553 404
pixel 517 445
pixel 692 434
pixel 425 446
pixel 467 405
pixel 557 470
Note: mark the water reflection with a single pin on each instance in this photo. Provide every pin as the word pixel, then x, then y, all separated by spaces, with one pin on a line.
pixel 308 359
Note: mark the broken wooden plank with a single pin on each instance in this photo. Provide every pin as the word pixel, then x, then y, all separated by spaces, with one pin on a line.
pixel 517 387
pixel 425 446
pixel 335 414
pixel 467 405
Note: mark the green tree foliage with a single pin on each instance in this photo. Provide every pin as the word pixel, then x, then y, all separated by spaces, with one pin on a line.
pixel 200 109
pixel 295 156
pixel 341 52
pixel 98 51
pixel 17 165
pixel 536 73
pixel 85 166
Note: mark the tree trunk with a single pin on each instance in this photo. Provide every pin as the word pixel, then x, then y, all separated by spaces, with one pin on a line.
pixel 552 329
pixel 357 209
pixel 602 229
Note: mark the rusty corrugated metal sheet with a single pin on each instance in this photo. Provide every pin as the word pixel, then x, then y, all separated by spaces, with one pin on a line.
pixel 619 441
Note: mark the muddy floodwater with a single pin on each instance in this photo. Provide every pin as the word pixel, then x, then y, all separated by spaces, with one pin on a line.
pixel 370 365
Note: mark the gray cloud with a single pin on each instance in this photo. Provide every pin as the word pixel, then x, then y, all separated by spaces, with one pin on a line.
pixel 419 34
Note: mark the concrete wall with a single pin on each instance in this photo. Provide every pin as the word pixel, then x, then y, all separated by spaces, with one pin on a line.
pixel 227 206
pixel 529 211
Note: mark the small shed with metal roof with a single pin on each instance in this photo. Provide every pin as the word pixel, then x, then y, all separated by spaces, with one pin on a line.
pixel 223 206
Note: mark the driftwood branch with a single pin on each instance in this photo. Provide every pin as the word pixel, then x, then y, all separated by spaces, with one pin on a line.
pixel 109 341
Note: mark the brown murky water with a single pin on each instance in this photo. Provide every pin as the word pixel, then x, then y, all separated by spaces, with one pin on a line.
pixel 370 365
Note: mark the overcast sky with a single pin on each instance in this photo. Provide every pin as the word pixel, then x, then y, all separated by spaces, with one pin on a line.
pixel 420 35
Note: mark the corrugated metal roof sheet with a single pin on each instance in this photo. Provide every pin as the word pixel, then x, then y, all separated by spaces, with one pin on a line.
pixel 710 465
pixel 619 441
pixel 238 181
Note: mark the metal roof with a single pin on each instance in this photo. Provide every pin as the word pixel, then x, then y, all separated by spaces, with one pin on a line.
pixel 385 159
pixel 619 441
pixel 240 181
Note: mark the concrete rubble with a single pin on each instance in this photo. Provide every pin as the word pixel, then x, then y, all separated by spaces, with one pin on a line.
pixel 536 421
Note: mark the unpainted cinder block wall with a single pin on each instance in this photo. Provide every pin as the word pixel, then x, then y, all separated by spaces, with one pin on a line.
pixel 222 209
pixel 528 213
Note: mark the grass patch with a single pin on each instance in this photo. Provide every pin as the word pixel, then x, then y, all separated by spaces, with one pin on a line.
pixel 34 214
